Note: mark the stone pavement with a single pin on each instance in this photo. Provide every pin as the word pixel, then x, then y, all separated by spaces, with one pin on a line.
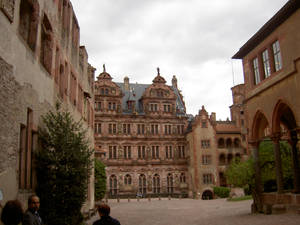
pixel 192 212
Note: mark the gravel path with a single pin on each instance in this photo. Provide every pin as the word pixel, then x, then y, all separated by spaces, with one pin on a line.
pixel 193 212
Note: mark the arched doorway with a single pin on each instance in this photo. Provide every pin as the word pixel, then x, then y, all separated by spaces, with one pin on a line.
pixel 284 127
pixel 207 195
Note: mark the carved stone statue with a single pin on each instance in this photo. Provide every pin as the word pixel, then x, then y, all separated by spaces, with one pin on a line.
pixel 120 153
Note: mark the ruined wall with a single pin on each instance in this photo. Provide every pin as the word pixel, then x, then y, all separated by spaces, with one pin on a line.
pixel 35 42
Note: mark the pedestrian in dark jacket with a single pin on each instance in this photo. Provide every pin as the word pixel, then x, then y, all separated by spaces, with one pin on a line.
pixel 105 219
pixel 32 216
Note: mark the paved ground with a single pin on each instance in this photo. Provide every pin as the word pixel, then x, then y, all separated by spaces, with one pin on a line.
pixel 193 212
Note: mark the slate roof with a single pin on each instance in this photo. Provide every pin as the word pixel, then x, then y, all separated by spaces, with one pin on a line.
pixel 136 92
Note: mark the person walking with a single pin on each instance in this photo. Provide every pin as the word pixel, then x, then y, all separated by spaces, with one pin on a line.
pixel 105 218
pixel 12 213
pixel 31 216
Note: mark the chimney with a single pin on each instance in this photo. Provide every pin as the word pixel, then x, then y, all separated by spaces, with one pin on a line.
pixel 174 82
pixel 126 83
pixel 213 116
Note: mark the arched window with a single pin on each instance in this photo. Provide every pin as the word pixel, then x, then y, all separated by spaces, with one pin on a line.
pixel 170 187
pixel 229 158
pixel 142 184
pixel 182 178
pixel 222 179
pixel 156 184
pixel 238 156
pixel 222 159
pixel 228 143
pixel 127 179
pixel 221 143
pixel 113 185
pixel 237 143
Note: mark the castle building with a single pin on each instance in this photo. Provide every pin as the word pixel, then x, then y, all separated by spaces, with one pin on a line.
pixel 139 135
pixel 41 63
pixel 271 63
pixel 214 145
pixel 151 147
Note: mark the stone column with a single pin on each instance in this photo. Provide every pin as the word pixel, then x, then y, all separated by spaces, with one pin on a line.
pixel 276 148
pixel 296 171
pixel 257 190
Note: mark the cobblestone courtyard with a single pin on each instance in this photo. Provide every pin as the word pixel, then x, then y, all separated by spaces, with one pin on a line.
pixel 193 212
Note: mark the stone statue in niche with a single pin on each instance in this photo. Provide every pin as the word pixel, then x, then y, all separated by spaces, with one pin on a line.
pixel 120 153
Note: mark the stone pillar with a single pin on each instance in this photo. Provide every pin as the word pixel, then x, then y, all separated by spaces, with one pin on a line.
pixel 276 148
pixel 296 171
pixel 257 190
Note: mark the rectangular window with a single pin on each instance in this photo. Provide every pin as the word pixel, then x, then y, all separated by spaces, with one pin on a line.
pixel 155 152
pixel 126 128
pixel 112 128
pixel 205 143
pixel 98 106
pixel 203 124
pixel 181 151
pixel 256 71
pixel 277 56
pixel 142 152
pixel 169 152
pixel 167 108
pixel 127 152
pixel 141 128
pixel 206 159
pixel 266 62
pixel 112 152
pixel 153 107
pixel 97 128
pixel 168 129
pixel 154 128
pixel 207 179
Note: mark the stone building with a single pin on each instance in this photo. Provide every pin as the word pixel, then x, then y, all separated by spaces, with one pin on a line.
pixel 152 147
pixel 41 63
pixel 139 135
pixel 271 63
pixel 213 145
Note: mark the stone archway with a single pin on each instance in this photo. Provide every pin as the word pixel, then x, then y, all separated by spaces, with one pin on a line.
pixel 284 126
pixel 207 195
pixel 259 130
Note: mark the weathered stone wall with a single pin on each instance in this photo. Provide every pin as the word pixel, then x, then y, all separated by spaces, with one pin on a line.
pixel 28 81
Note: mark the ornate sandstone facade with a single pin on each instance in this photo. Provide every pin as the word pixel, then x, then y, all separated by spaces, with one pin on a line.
pixel 151 147
pixel 139 135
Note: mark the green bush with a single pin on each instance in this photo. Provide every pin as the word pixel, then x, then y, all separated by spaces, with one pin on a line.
pixel 100 180
pixel 63 167
pixel 222 192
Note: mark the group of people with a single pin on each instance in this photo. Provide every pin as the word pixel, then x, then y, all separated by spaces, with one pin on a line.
pixel 13 214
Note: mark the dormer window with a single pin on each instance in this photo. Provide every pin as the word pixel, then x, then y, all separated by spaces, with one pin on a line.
pixel 111 106
pixel 153 107
pixel 167 108
pixel 129 105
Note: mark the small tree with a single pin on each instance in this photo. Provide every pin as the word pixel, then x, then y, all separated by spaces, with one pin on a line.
pixel 63 166
pixel 241 174
pixel 100 180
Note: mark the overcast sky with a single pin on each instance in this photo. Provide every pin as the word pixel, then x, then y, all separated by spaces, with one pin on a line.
pixel 192 39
